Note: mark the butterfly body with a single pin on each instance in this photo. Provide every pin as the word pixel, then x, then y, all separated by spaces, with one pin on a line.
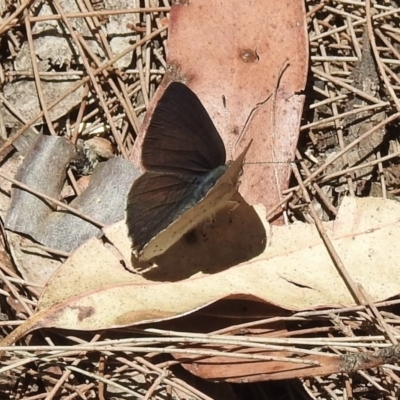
pixel 186 180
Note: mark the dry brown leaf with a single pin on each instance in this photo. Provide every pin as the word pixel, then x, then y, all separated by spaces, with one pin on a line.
pixel 224 369
pixel 92 290
pixel 247 64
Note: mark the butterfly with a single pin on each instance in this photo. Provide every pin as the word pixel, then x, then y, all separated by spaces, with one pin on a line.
pixel 186 179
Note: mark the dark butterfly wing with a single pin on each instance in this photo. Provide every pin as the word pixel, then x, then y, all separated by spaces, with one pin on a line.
pixel 155 201
pixel 181 138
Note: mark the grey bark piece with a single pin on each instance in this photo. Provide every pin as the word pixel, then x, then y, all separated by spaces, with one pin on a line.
pixel 104 200
pixel 44 170
pixel 24 142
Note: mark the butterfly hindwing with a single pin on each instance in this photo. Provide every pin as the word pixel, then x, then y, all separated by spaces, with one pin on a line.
pixel 156 200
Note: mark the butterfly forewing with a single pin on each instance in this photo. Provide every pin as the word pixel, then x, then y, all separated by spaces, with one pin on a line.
pixel 181 138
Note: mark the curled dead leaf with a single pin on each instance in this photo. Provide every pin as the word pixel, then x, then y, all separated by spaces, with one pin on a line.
pixel 92 290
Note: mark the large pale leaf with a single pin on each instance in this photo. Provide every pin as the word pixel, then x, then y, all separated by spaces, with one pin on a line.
pixel 92 290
